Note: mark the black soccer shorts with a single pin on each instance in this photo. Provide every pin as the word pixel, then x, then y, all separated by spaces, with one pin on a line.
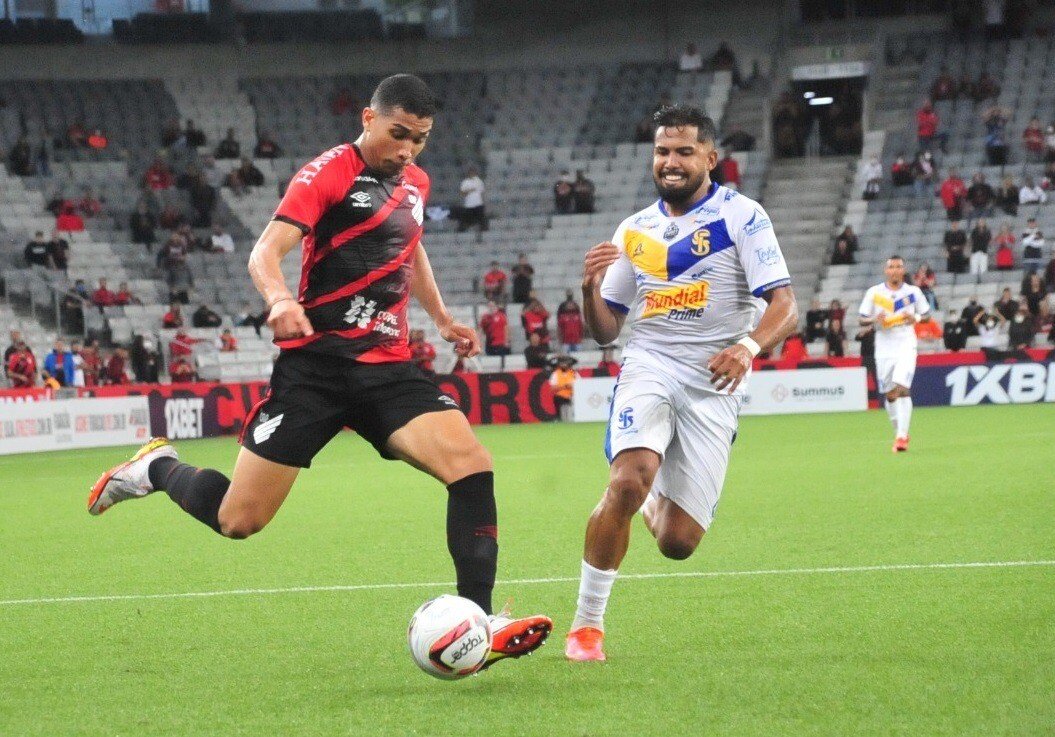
pixel 313 396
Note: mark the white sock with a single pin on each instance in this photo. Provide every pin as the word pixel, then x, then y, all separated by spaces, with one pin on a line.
pixel 904 415
pixel 595 586
pixel 891 411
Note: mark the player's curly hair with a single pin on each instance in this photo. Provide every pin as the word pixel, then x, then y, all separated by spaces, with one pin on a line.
pixel 405 91
pixel 682 115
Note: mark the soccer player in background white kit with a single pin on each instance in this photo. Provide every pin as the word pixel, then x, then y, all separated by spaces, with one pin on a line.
pixel 894 308
pixel 691 272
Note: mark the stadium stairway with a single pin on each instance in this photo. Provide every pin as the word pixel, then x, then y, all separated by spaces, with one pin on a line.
pixel 215 104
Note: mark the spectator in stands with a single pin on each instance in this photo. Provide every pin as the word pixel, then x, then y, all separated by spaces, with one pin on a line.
pixel 20 365
pixel 182 344
pixel 76 135
pixel 171 133
pixel 173 318
pixel 523 277
pixel 944 86
pixel 172 258
pixel 1033 140
pixel 790 126
pixel 141 225
pixel 691 60
pixel 422 352
pixel 97 139
pixel 901 172
pixel 1049 143
pixel 158 176
pixel 473 212
pixel 954 332
pixel 952 193
pixel 76 372
pixel 536 353
pixel 1021 331
pixel 1049 274
pixel 981 237
pixel 228 148
pixel 842 255
pixel 607 366
pixel 1007 196
pixel 836 339
pixel 730 170
pixel 59 363
pixel 72 309
pixel 146 361
pixel 985 88
pixel 247 318
pixel 69 221
pixel 955 242
pixel 49 382
pixel 794 350
pixel 980 198
pixel 873 176
pixel 1005 242
pixel 816 321
pixel 736 140
pixel 563 201
pixel 59 249
pixel 987 326
pixel 181 371
pixel 16 338
pixel 495 327
pixel 89 205
pixel 1007 305
pixel 43 154
pixel 245 177
pixel 850 237
pixel 562 383
pixel 20 158
pixel 37 253
pixel 583 191
pixel 923 172
pixel 227 343
pixel 928 128
pixel 149 198
pixel 116 372
pixel 836 311
pixel 202 199
pixel 1032 247
pixel 206 317
pixel 211 172
pixel 494 282
pixel 724 60
pixel 124 296
pixel 1031 193
pixel 996 147
pixel 91 363
pixel 569 323
pixel 926 279
pixel 971 310
pixel 534 318
pixel 220 241
pixel 103 297
pixel 266 148
pixel 1034 295
pixel 194 137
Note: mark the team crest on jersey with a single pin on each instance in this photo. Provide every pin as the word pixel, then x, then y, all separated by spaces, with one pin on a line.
pixel 671 231
pixel 701 242
pixel 626 418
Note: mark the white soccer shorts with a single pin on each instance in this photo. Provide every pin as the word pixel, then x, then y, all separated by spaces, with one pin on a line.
pixel 896 369
pixel 690 428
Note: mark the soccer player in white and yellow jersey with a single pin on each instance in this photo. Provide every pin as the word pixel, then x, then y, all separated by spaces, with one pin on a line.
pixel 894 308
pixel 692 273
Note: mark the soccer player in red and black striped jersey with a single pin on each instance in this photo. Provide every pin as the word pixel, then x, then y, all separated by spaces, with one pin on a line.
pixel 357 212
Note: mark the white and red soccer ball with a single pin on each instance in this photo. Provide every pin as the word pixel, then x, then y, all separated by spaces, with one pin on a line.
pixel 449 637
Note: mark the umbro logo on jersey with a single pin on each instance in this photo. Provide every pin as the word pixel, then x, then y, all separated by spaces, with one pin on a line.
pixel 447 400
pixel 266 428
pixel 360 199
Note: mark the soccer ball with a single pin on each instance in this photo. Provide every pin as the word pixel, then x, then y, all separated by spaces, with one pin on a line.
pixel 449 637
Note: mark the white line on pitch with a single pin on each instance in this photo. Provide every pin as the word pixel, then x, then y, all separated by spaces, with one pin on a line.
pixel 528 581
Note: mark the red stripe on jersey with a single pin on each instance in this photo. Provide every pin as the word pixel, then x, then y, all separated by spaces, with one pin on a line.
pixel 361 283
pixel 369 224
pixel 309 339
pixel 380 354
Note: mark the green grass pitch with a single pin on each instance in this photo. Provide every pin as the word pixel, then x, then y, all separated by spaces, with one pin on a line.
pixel 896 651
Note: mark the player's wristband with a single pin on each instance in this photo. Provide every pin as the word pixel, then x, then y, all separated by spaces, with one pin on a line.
pixel 280 299
pixel 750 345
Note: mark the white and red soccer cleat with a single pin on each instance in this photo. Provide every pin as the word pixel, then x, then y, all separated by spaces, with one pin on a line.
pixel 900 445
pixel 585 644
pixel 128 480
pixel 514 638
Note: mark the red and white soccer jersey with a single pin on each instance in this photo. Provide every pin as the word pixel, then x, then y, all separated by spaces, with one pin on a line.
pixel 361 230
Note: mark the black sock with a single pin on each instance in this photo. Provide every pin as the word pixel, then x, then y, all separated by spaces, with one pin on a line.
pixel 198 491
pixel 472 536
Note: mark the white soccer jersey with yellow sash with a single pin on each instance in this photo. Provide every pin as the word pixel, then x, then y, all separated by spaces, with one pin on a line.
pixel 691 285
pixel 899 308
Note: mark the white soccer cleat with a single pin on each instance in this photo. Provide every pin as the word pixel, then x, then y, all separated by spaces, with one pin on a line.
pixel 128 480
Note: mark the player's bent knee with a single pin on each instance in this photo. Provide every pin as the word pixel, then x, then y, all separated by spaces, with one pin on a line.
pixel 240 526
pixel 627 492
pixel 474 459
pixel 676 547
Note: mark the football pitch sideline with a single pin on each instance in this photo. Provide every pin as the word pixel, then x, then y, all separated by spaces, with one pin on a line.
pixel 842 590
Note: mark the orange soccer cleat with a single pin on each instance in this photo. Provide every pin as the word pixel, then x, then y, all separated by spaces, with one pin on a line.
pixel 514 638
pixel 585 644
pixel 901 445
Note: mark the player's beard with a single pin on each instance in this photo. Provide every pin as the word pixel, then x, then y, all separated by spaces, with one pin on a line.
pixel 680 194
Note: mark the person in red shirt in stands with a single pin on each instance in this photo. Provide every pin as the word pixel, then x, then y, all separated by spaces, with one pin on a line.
pixel 98 140
pixel 495 282
pixel 794 349
pixel 182 344
pixel 495 327
pixel 103 297
pixel 76 134
pixel 158 176
pixel 534 318
pixel 952 193
pixel 91 363
pixel 181 371
pixel 21 367
pixel 607 366
pixel 730 171
pixel 115 367
pixel 422 352
pixel 125 297
pixel 227 342
pixel 68 220
pixel 173 318
pixel 1033 140
pixel 927 123
pixel 569 323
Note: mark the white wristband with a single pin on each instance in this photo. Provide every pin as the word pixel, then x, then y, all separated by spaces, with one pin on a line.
pixel 750 345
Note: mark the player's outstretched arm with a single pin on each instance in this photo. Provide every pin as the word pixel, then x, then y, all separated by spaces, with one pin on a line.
pixel 603 322
pixel 425 290
pixel 780 319
pixel 285 315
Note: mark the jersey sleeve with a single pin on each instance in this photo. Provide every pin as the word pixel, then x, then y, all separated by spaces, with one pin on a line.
pixel 760 255
pixel 312 191
pixel 921 305
pixel 865 310
pixel 618 288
